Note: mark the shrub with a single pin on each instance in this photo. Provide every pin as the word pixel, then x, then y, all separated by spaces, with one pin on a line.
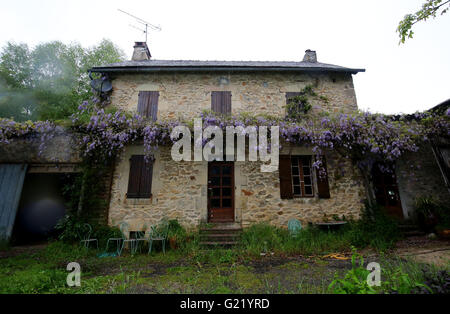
pixel 71 229
pixel 354 281
pixel 375 229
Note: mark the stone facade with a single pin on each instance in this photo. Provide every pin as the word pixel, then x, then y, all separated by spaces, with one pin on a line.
pixel 418 175
pixel 187 95
pixel 179 189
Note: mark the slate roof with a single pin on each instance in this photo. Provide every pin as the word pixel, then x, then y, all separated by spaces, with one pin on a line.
pixel 229 66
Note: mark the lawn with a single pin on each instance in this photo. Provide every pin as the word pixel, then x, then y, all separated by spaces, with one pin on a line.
pixel 198 271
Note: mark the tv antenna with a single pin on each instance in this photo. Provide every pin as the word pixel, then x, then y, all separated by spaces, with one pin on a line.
pixel 146 24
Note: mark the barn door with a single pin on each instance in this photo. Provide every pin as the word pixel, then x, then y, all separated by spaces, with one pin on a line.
pixel 221 192
pixel 11 183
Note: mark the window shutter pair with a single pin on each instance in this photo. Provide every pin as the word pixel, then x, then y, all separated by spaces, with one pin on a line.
pixel 148 104
pixel 221 102
pixel 286 191
pixel 140 180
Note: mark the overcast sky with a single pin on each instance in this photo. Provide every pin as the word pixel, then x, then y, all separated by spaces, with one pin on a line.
pixel 359 33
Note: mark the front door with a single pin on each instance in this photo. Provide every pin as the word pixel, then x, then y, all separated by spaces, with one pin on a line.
pixel 220 191
pixel 386 192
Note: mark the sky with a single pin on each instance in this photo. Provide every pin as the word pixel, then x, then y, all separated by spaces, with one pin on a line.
pixel 354 33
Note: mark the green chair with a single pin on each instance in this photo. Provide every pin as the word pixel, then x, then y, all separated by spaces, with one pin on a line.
pixel 84 234
pixel 140 237
pixel 119 242
pixel 158 233
pixel 294 227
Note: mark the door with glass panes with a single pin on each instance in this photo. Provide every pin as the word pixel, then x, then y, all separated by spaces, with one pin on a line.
pixel 220 191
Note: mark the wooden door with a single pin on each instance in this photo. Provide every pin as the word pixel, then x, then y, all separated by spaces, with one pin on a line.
pixel 221 192
pixel 386 192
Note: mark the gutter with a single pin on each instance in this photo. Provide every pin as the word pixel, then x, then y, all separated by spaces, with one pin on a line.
pixel 218 69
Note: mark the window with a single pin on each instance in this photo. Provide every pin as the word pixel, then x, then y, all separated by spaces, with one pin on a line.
pixel 140 180
pixel 298 106
pixel 221 102
pixel 302 184
pixel 296 178
pixel 148 104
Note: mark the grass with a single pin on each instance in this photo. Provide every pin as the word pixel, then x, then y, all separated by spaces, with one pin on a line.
pixel 180 271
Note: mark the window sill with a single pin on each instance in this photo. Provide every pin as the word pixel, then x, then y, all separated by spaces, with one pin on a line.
pixel 138 201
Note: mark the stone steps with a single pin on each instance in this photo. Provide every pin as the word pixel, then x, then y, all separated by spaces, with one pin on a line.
pixel 223 235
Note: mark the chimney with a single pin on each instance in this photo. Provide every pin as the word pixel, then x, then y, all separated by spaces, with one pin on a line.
pixel 310 56
pixel 141 51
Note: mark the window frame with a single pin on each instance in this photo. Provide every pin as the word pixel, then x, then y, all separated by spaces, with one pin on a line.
pixel 300 164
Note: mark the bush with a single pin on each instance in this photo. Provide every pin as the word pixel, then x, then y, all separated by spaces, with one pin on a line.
pixel 375 229
pixel 71 229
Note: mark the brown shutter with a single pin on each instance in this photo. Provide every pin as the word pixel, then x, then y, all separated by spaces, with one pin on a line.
pixel 136 162
pixel 216 101
pixel 285 177
pixel 148 104
pixel 140 178
pixel 226 103
pixel 322 183
pixel 145 187
pixel 221 102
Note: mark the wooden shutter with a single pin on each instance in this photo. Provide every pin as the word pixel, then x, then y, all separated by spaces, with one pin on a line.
pixel 221 102
pixel 285 177
pixel 148 104
pixel 323 186
pixel 140 179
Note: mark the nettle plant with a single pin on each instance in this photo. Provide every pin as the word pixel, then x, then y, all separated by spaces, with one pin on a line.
pixel 363 137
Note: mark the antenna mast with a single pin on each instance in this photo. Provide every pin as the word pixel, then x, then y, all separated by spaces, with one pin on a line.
pixel 146 24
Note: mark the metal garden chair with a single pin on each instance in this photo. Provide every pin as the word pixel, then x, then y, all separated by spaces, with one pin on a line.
pixel 140 237
pixel 294 227
pixel 119 242
pixel 158 233
pixel 85 235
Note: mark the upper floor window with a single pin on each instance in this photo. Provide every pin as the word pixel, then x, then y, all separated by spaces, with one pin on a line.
pixel 295 104
pixel 296 178
pixel 140 178
pixel 221 102
pixel 148 104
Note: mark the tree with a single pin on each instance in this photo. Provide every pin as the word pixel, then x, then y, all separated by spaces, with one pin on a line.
pixel 431 8
pixel 49 81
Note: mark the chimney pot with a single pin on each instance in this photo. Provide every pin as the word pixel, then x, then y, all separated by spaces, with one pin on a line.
pixel 310 56
pixel 141 52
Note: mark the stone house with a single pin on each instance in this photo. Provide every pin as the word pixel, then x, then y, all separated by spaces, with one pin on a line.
pixel 229 192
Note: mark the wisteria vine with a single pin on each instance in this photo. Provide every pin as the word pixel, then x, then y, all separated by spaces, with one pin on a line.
pixel 363 137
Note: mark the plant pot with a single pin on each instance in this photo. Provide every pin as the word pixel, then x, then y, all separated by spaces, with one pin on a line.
pixel 173 243
pixel 445 233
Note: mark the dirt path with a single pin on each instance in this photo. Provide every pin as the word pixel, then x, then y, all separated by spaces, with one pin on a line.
pixel 425 250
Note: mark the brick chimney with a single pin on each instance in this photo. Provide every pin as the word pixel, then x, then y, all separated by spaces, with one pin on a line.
pixel 310 56
pixel 141 52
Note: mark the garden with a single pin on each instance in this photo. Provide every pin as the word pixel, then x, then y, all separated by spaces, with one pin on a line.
pixel 266 260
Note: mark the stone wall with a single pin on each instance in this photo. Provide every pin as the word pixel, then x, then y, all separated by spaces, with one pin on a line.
pixel 187 95
pixel 418 175
pixel 179 191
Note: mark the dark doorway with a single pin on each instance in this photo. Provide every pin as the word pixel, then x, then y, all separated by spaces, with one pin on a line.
pixel 43 203
pixel 386 191
pixel 221 192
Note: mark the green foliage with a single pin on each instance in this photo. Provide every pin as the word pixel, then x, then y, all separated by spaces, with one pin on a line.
pixel 375 229
pixel 49 81
pixel 71 230
pixel 430 8
pixel 354 281
pixel 298 106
